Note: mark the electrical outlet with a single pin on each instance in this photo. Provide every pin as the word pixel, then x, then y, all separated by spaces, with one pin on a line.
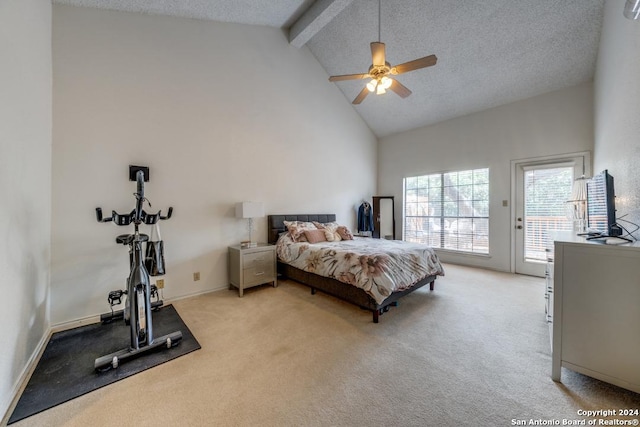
pixel 196 276
pixel 160 283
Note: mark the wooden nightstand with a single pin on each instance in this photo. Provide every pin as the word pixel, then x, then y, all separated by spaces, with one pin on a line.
pixel 252 266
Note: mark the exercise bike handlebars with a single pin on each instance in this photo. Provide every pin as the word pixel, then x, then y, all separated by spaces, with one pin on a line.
pixel 137 215
pixel 99 216
pixel 126 219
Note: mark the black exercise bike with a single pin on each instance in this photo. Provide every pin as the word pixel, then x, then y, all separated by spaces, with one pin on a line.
pixel 138 306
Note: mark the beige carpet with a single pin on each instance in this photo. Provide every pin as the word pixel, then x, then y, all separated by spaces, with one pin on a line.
pixel 473 352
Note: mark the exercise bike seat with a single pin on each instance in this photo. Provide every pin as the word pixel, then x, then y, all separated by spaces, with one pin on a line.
pixel 127 239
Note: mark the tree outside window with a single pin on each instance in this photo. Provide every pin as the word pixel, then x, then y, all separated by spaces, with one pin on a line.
pixel 449 210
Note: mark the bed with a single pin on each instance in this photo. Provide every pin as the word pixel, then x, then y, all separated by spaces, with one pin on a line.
pixel 377 303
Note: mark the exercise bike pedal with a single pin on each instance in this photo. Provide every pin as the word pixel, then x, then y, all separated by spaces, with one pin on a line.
pixel 115 297
pixel 109 317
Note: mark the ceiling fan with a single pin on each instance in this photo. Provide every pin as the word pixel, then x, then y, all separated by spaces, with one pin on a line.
pixel 380 70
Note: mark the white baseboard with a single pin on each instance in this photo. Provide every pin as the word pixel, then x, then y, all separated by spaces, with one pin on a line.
pixel 20 384
pixel 195 294
pixel 59 327
pixel 22 381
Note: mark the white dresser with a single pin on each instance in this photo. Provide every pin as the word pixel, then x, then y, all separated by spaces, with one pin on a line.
pixel 593 293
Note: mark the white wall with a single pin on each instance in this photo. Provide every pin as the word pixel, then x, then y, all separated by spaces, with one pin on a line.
pixel 220 112
pixel 554 123
pixel 617 109
pixel 25 186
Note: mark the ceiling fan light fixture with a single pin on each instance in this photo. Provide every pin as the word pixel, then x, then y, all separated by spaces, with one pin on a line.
pixel 380 69
pixel 632 9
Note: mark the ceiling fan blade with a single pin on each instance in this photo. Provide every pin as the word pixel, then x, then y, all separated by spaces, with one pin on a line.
pixel 362 95
pixel 377 53
pixel 399 88
pixel 348 77
pixel 427 61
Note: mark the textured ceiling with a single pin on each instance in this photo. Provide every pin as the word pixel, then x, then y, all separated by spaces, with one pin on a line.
pixel 272 13
pixel 490 52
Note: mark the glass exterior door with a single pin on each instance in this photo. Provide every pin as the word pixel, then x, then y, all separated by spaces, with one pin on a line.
pixel 542 193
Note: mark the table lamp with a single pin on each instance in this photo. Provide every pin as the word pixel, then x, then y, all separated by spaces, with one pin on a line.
pixel 249 210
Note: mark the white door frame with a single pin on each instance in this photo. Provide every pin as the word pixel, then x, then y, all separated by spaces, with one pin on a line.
pixel 537 161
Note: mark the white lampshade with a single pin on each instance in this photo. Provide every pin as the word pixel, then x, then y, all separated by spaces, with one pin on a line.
pixel 577 205
pixel 579 190
pixel 249 210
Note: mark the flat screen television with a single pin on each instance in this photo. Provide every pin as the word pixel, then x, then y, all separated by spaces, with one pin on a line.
pixel 601 207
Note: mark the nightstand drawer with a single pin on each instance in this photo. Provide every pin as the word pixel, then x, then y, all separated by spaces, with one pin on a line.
pixel 258 259
pixel 258 275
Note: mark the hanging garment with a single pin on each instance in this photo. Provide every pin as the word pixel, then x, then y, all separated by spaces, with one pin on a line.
pixel 365 217
pixel 154 257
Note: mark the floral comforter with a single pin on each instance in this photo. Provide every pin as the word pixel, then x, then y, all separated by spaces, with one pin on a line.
pixel 377 266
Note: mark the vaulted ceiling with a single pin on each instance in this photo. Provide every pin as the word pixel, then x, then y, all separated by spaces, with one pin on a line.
pixel 490 52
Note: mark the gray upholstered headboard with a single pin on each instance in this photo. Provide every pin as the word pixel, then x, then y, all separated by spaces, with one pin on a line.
pixel 276 222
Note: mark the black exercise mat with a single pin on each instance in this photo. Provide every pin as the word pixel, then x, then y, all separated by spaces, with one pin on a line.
pixel 66 368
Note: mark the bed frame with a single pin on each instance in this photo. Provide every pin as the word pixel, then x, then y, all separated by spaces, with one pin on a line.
pixel 330 286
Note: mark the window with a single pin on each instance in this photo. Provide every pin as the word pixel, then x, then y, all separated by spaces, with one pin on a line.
pixel 545 191
pixel 448 210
